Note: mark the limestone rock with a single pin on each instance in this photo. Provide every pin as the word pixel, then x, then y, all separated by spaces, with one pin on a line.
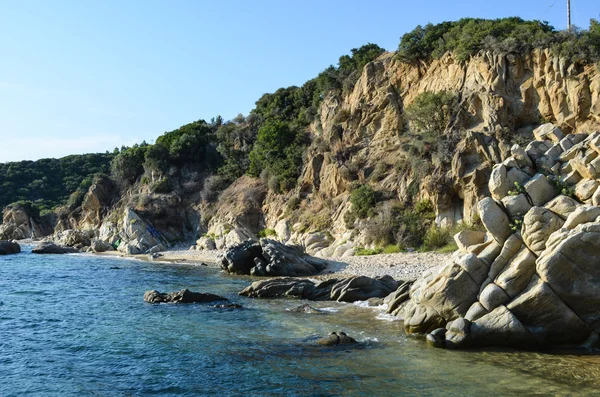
pixel 467 238
pixel 498 184
pixel 19 222
pixel 582 214
pixel 284 233
pixel 206 243
pixel 538 225
pixel 516 206
pixel 521 156
pixel 98 245
pixel 548 131
pixel 562 206
pixel 586 188
pixel 540 190
pixel 494 219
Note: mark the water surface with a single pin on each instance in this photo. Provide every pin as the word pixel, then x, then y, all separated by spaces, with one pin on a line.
pixel 75 325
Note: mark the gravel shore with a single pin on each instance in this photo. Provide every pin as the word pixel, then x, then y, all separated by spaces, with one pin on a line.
pixel 401 266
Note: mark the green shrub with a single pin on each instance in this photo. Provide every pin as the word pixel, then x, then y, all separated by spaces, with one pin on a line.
pixel 468 36
pixel 367 251
pixel 267 233
pixel 363 200
pixel 436 237
pixel 161 186
pixel 430 112
pixel 391 249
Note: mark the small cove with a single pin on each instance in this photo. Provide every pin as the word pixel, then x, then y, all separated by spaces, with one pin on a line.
pixel 77 325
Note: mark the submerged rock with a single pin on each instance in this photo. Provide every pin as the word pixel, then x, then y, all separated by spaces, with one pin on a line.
pixel 9 247
pixel 183 296
pixel 306 308
pixel 270 258
pixel 49 247
pixel 336 339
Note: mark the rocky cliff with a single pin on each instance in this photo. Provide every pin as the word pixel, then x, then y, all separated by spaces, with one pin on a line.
pixel 533 278
pixel 363 137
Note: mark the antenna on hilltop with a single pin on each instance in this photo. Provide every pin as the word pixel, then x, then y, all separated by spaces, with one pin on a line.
pixel 569 15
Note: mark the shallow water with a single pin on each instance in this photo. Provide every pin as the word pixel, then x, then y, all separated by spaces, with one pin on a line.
pixel 75 325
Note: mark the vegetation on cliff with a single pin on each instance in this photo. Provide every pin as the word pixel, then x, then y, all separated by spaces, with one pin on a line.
pixel 49 182
pixel 468 36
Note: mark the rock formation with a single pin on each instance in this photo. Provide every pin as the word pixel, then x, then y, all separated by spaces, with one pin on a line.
pixel 534 279
pixel 49 247
pixel 19 222
pixel 349 289
pixel 270 258
pixel 183 296
pixel 336 339
pixel 9 247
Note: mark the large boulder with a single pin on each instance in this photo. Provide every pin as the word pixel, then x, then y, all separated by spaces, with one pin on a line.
pixel 349 289
pixel 138 235
pixel 537 287
pixel 49 247
pixel 22 221
pixel 98 245
pixel 494 219
pixel 74 238
pixel 183 296
pixel 9 247
pixel 270 258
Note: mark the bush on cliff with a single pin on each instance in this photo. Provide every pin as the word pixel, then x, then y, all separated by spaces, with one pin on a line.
pixel 431 111
pixel 468 36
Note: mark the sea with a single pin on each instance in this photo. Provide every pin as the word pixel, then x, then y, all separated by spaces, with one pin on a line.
pixel 77 325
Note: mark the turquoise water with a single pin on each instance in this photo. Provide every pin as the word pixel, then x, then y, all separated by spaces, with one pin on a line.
pixel 78 326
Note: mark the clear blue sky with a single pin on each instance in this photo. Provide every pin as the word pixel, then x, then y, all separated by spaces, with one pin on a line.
pixel 86 76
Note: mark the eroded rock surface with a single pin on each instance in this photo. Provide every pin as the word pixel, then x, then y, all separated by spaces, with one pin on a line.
pixel 183 296
pixel 270 258
pixel 349 289
pixel 539 284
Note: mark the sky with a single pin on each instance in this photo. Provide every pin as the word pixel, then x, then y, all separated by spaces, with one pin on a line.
pixel 89 76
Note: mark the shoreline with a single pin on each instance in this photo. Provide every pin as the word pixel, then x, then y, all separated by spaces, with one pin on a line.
pixel 401 266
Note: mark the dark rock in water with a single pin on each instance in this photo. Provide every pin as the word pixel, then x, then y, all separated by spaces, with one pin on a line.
pixel 9 247
pixel 349 289
pixel 306 308
pixel 183 296
pixel 336 339
pixel 270 258
pixel 50 247
pixel 114 267
pixel 203 264
pixel 228 306
pixel 437 338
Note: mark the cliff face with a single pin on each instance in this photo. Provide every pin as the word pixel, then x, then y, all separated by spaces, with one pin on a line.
pixel 361 138
pixel 501 99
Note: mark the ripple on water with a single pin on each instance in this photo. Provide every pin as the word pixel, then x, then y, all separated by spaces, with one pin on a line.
pixel 71 326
